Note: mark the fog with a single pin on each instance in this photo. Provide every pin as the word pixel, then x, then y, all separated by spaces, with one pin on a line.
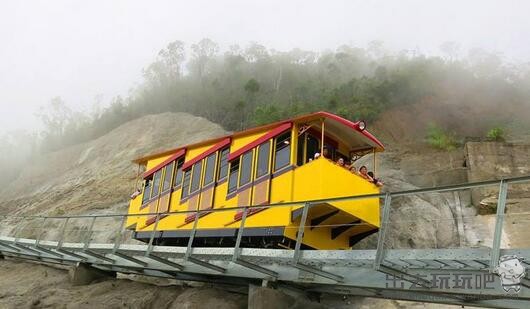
pixel 85 51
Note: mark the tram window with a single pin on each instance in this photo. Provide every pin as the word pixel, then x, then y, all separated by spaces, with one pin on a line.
pixel 232 179
pixel 178 173
pixel 209 169
pixel 147 190
pixel 196 176
pixel 156 183
pixel 246 168
pixel 223 163
pixel 300 151
pixel 186 183
pixel 168 175
pixel 263 159
pixel 283 151
pixel 312 147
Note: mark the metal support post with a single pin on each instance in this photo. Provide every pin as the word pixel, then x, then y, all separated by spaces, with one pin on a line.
pixel 152 238
pixel 89 234
pixel 192 237
pixel 382 231
pixel 189 249
pixel 39 236
pixel 501 206
pixel 117 240
pixel 63 231
pixel 300 235
pixel 237 249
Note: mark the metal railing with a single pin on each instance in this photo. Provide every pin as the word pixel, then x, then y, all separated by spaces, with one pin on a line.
pixel 84 249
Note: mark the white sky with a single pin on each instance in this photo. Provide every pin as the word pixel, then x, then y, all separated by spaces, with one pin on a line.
pixel 81 49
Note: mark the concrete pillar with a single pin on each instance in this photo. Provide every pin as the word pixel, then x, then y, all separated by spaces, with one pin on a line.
pixel 84 274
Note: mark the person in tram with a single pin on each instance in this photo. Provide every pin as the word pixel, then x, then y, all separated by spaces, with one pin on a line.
pixel 376 181
pixel 363 172
pixel 340 162
pixel 326 153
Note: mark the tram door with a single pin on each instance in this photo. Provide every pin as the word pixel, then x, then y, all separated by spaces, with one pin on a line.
pixel 261 187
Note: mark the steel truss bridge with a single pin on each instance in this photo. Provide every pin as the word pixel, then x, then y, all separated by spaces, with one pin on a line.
pixel 459 276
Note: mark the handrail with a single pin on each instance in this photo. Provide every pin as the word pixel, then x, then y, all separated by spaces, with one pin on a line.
pixel 435 189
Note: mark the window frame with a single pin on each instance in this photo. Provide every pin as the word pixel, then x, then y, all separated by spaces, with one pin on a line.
pixel 219 167
pixel 192 177
pixel 178 168
pixel 186 191
pixel 153 193
pixel 144 195
pixel 257 155
pixel 164 177
pixel 230 172
pixel 250 169
pixel 274 168
pixel 214 169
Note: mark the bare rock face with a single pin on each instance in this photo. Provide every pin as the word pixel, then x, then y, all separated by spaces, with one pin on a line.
pixel 416 221
pixel 493 160
pixel 94 177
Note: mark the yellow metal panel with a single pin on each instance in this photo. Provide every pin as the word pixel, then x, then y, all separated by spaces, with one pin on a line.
pixel 154 162
pixel 242 141
pixel 193 152
pixel 322 178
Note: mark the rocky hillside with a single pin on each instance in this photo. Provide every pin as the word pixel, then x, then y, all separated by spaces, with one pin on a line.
pixel 98 176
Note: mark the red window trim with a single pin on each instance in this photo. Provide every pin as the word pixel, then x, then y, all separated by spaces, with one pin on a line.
pixel 155 169
pixel 273 133
pixel 208 152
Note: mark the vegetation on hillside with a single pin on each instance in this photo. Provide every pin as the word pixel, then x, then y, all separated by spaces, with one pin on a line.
pixel 241 87
pixel 440 139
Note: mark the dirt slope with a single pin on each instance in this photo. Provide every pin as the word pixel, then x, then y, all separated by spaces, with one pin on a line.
pixel 28 285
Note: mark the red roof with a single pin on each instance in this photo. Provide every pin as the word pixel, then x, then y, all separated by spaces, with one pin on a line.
pixel 155 169
pixel 316 115
pixel 280 129
pixel 214 148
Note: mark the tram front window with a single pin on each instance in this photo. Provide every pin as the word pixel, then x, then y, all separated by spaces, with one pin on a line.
pixel 312 147
pixel 308 146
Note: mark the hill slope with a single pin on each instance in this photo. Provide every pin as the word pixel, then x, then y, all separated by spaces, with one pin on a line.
pixel 99 174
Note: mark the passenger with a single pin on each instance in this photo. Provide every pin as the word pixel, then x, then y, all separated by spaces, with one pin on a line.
pixel 376 181
pixel 136 193
pixel 325 152
pixel 363 172
pixel 353 169
pixel 340 162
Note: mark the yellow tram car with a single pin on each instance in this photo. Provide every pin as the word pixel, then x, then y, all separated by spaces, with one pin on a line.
pixel 288 161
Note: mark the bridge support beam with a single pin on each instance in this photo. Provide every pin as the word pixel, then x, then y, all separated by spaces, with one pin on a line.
pixel 84 274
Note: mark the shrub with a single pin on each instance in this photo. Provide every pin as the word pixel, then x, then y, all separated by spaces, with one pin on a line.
pixel 496 134
pixel 440 139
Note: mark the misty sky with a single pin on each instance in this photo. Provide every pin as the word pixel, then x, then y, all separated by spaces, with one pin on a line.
pixel 81 49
